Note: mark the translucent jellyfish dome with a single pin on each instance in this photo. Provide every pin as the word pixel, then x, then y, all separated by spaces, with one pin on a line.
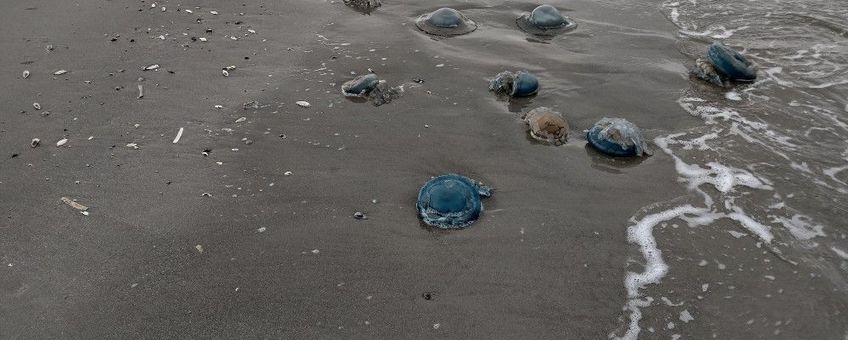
pixel 445 22
pixel 545 20
pixel 451 201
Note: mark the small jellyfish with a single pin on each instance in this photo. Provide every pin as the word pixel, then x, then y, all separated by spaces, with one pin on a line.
pixel 451 201
pixel 723 65
pixel 364 6
pixel 360 86
pixel 617 137
pixel 370 87
pixel 518 84
pixel 547 125
pixel 545 20
pixel 445 22
pixel 730 63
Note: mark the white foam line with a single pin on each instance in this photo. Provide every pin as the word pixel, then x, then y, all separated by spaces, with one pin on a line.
pixel 641 234
pixel 179 135
pixel 840 252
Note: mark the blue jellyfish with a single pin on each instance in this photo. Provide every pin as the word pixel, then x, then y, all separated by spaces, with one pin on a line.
pixel 518 84
pixel 360 86
pixel 730 63
pixel 723 65
pixel 617 137
pixel 451 201
pixel 445 22
pixel 545 20
pixel 368 86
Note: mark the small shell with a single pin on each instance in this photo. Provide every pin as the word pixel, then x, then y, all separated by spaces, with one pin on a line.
pixel 37 106
pixel 61 142
pixel 152 67
pixel 225 73
pixel 303 103
pixel 60 72
pixel 35 142
pixel 25 74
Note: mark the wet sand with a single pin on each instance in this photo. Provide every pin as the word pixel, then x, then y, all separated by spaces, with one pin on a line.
pixel 282 255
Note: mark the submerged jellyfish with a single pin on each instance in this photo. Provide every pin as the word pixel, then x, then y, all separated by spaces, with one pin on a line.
pixel 723 65
pixel 370 87
pixel 451 201
pixel 617 137
pixel 445 22
pixel 545 20
pixel 518 84
pixel 547 125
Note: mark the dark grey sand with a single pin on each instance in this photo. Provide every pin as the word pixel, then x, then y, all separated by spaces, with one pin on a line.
pixel 546 260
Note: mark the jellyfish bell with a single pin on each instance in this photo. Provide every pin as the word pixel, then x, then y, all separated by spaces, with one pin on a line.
pixel 617 137
pixel 518 84
pixel 545 20
pixel 547 125
pixel 730 63
pixel 360 86
pixel 451 201
pixel 445 22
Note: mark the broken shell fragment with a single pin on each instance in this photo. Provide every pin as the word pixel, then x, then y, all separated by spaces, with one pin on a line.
pixel 35 142
pixel 303 103
pixel 61 142
pixel 547 125
pixel 60 72
pixel 151 67
pixel 73 204
pixel 25 75
pixel 37 106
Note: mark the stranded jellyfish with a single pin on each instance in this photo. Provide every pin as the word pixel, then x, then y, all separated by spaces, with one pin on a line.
pixel 723 65
pixel 445 22
pixel 518 84
pixel 617 137
pixel 369 87
pixel 547 125
pixel 545 20
pixel 364 6
pixel 451 201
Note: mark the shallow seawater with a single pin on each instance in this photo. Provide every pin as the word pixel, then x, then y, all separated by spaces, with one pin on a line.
pixel 745 236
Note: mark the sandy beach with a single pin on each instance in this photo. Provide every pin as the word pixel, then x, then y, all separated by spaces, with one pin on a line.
pixel 256 238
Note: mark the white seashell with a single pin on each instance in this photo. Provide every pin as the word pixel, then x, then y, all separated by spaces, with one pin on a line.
pixel 60 72
pixel 37 106
pixel 152 67
pixel 25 74
pixel 62 142
pixel 303 103
pixel 225 73
pixel 214 12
